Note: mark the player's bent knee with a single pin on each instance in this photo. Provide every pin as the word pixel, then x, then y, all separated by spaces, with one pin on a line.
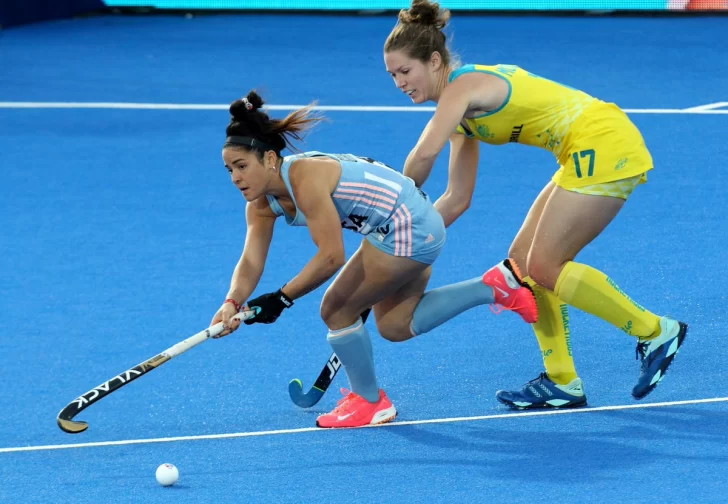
pixel 331 305
pixel 542 271
pixel 337 311
pixel 535 268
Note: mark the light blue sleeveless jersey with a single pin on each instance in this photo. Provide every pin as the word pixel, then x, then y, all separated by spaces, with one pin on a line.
pixel 378 202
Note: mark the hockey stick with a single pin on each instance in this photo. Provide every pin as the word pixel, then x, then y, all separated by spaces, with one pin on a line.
pixel 65 417
pixel 327 375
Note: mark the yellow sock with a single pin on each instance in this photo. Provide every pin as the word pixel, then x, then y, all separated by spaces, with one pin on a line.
pixel 592 291
pixel 552 333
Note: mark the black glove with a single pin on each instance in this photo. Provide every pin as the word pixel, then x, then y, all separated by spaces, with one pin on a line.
pixel 271 306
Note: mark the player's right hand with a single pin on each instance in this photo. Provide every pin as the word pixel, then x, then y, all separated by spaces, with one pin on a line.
pixel 226 312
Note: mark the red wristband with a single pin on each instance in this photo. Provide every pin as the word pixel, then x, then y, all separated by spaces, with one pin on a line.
pixel 235 303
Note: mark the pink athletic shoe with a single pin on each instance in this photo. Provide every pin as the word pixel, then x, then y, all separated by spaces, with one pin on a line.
pixel 510 291
pixel 355 411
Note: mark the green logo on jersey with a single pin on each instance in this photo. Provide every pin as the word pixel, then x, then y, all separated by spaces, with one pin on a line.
pixel 509 70
pixel 621 163
pixel 549 140
pixel 484 131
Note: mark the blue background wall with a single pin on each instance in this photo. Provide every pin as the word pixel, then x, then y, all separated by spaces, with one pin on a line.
pixel 31 11
pixel 397 4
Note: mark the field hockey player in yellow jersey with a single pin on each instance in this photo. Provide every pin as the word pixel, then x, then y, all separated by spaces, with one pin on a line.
pixel 602 158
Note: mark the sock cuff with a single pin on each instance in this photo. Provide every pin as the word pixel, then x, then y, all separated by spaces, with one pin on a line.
pixel 338 333
pixel 532 283
pixel 562 276
pixel 539 291
pixel 412 329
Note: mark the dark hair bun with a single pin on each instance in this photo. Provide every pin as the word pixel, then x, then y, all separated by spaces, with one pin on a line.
pixel 426 13
pixel 255 100
pixel 251 103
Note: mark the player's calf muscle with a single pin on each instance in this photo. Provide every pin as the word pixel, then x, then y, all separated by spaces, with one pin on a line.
pixel 395 332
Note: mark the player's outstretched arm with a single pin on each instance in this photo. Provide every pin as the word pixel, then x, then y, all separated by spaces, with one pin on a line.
pixel 260 220
pixel 462 170
pixel 451 108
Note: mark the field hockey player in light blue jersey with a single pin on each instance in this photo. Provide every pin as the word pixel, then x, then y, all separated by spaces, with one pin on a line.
pixel 403 235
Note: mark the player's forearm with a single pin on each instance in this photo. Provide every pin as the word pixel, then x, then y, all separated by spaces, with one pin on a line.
pixel 418 166
pixel 244 280
pixel 318 270
pixel 450 208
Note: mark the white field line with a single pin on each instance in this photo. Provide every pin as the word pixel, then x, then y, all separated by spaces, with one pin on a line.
pixel 388 425
pixel 709 106
pixel 702 109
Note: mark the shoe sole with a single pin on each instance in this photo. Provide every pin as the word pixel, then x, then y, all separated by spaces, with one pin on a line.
pixel 379 418
pixel 384 416
pixel 541 406
pixel 511 265
pixel 680 338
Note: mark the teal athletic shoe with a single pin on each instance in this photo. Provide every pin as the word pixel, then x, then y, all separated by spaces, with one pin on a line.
pixel 657 355
pixel 542 392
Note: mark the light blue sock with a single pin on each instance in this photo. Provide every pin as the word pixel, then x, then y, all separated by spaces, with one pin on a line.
pixel 440 305
pixel 354 349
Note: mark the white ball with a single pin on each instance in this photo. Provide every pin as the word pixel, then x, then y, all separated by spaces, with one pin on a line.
pixel 167 474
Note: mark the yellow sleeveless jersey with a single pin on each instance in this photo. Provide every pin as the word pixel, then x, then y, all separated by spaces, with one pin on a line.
pixel 593 141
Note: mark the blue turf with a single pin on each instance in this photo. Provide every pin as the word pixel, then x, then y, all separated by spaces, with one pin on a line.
pixel 637 62
pixel 646 456
pixel 120 230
